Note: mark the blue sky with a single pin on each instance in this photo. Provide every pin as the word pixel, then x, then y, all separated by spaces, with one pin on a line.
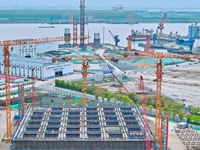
pixel 108 3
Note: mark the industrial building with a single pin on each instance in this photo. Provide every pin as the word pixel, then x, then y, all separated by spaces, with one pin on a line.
pixel 107 127
pixel 43 68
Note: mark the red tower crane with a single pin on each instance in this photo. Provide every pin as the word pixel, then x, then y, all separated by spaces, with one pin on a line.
pixel 161 24
pixel 144 111
pixel 130 19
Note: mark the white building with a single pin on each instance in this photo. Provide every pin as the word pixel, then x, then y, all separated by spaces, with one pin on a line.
pixel 42 68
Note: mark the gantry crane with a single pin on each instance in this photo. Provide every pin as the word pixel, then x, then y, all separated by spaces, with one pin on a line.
pixel 116 38
pixel 144 111
pixel 148 44
pixel 161 24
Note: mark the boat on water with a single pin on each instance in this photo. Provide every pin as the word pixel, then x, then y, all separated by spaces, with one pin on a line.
pixel 156 46
pixel 46 27
pixel 180 50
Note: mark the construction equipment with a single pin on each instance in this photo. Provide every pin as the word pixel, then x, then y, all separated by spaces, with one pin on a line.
pixel 130 37
pixel 33 89
pixel 161 24
pixel 85 66
pixel 111 72
pixel 161 133
pixel 82 23
pixel 75 30
pixel 144 111
pixel 20 107
pixel 158 96
pixel 7 49
pixel 130 19
pixel 116 38
pixel 164 132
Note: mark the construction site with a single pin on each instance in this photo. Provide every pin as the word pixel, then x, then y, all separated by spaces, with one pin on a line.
pixel 81 128
pixel 97 96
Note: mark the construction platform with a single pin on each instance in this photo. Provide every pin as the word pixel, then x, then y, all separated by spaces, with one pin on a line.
pixel 89 128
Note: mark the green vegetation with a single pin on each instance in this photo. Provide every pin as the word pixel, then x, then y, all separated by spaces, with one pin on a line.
pixel 99 16
pixel 173 108
pixel 193 116
pixel 124 98
pixel 168 106
pixel 76 86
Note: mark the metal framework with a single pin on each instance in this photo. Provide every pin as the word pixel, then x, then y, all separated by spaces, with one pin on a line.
pixel 19 101
pixel 144 111
pixel 33 89
pixel 148 37
pixel 7 87
pixel 82 23
pixel 75 31
pixel 164 132
pixel 22 109
pixel 158 96
pixel 85 66
pixel 161 24
pixel 6 44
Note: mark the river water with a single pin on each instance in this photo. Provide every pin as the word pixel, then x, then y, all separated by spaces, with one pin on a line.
pixel 21 31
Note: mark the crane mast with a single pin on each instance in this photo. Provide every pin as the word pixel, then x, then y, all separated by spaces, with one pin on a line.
pixel 161 24
pixel 6 44
pixel 116 38
pixel 158 96
pixel 144 111
pixel 85 66
pixel 33 89
pixel 7 87
pixel 82 23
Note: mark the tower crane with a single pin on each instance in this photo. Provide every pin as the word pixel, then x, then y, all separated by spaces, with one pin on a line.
pixel 116 38
pixel 159 137
pixel 161 24
pixel 144 111
pixel 85 67
pixel 7 50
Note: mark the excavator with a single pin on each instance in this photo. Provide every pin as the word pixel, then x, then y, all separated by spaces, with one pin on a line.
pixel 116 38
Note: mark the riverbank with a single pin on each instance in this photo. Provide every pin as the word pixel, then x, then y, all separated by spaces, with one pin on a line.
pixel 62 16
